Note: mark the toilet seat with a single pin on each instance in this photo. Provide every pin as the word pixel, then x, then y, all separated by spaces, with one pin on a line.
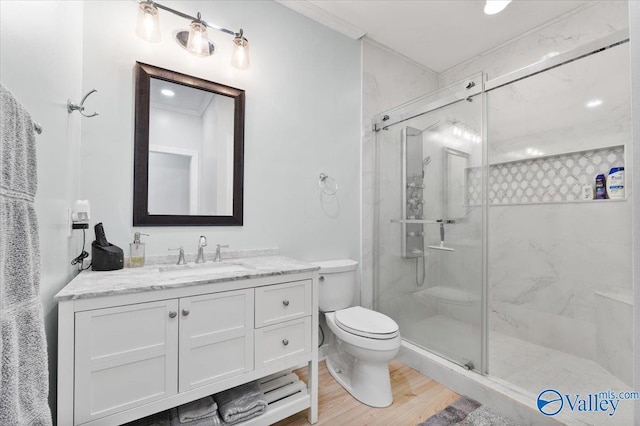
pixel 366 323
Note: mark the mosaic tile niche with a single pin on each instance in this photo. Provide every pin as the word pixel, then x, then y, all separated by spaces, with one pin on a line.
pixel 552 179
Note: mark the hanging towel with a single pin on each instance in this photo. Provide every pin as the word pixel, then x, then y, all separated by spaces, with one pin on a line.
pixel 241 403
pixel 24 375
pixel 196 410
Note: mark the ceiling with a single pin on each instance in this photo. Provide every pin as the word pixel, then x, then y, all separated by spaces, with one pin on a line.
pixel 185 99
pixel 437 34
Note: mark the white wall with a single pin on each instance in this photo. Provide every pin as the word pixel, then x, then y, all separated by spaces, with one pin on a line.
pixel 216 189
pixel 302 115
pixel 388 80
pixel 634 31
pixel 41 64
pixel 175 129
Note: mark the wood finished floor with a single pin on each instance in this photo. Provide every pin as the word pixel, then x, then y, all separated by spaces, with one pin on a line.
pixel 415 398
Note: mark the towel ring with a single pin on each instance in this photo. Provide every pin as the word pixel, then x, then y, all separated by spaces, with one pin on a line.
pixel 327 184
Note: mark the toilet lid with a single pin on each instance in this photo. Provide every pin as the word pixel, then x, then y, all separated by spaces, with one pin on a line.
pixel 366 323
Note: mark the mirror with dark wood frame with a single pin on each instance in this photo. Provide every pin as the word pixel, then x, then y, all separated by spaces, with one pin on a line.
pixel 188 152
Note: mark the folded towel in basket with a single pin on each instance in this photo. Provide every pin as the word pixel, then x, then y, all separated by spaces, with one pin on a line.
pixel 196 410
pixel 241 403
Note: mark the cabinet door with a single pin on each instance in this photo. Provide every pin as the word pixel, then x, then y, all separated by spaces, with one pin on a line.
pixel 126 356
pixel 216 337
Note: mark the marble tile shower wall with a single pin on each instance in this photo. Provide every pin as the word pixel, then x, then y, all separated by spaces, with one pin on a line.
pixel 558 178
pixel 388 80
pixel 546 261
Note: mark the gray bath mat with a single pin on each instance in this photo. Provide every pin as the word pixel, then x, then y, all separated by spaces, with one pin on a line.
pixel 484 416
pixel 465 411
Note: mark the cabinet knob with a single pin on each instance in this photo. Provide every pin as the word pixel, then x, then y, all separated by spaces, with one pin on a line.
pixel 321 278
pixel 172 314
pixel 185 312
pixel 285 342
pixel 285 302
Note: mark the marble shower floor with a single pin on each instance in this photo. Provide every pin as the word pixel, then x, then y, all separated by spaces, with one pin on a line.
pixel 527 367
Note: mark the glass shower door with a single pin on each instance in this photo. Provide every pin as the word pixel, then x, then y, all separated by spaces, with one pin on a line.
pixel 430 222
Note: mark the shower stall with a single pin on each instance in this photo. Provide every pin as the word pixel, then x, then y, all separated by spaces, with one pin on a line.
pixel 489 249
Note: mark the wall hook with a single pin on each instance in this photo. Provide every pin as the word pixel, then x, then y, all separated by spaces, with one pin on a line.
pixel 73 107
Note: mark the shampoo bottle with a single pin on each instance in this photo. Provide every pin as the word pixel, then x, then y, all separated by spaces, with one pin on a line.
pixel 615 183
pixel 601 192
pixel 136 258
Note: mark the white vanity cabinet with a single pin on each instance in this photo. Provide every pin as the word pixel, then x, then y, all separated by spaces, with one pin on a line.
pixel 123 356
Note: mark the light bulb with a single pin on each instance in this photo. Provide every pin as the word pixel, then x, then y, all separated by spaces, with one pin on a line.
pixel 594 103
pixel 240 55
pixel 148 26
pixel 495 6
pixel 198 42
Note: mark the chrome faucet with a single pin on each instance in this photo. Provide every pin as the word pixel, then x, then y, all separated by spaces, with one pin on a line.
pixel 181 260
pixel 202 243
pixel 218 257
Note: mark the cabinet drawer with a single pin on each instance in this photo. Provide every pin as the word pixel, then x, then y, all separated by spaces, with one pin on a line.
pixel 282 302
pixel 278 342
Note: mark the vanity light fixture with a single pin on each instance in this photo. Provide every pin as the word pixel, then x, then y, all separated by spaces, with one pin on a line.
pixel 148 26
pixel 495 6
pixel 196 39
pixel 240 55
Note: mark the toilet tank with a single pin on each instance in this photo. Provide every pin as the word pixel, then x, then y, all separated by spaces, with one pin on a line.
pixel 337 284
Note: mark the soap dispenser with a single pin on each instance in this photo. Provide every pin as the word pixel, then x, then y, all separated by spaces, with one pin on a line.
pixel 136 258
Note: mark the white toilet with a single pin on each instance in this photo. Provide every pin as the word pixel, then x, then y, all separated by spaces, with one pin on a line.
pixel 363 341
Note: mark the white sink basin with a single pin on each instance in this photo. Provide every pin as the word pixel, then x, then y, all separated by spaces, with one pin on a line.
pixel 205 268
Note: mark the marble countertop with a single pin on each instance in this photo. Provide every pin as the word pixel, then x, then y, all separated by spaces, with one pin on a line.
pixel 158 277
